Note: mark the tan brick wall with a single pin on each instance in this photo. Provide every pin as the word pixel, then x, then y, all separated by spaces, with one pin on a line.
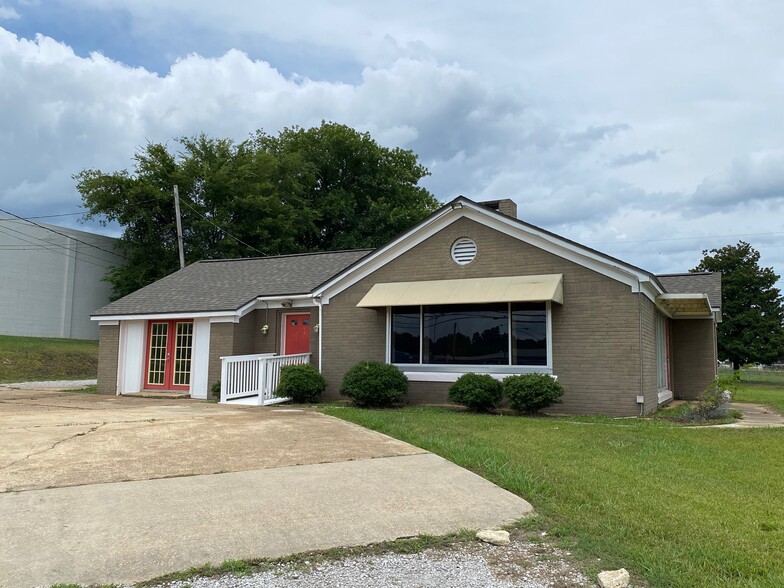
pixel 694 356
pixel 269 343
pixel 108 349
pixel 246 338
pixel 221 344
pixel 595 332
pixel 650 372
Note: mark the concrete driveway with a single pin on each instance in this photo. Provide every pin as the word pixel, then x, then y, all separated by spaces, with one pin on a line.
pixel 98 490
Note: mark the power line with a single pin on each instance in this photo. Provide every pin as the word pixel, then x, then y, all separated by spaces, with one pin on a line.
pixel 684 238
pixel 686 249
pixel 62 234
pixel 59 251
pixel 46 216
pixel 71 213
pixel 52 244
pixel 186 203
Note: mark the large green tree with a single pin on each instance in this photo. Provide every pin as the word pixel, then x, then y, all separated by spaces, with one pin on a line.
pixel 752 309
pixel 362 194
pixel 319 189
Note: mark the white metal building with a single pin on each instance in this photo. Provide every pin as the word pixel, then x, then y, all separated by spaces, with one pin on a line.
pixel 51 279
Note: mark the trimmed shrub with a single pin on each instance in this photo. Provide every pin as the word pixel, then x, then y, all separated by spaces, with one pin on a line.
pixel 373 383
pixel 302 383
pixel 216 387
pixel 532 392
pixel 479 392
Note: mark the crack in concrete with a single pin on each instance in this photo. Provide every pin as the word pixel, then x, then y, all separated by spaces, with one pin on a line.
pixel 58 442
pixel 102 423
pixel 32 403
pixel 117 422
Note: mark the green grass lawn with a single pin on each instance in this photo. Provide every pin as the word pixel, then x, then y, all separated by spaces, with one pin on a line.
pixel 763 387
pixel 29 359
pixel 677 506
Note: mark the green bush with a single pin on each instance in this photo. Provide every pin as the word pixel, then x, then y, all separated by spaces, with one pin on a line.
pixel 479 392
pixel 373 383
pixel 216 387
pixel 714 401
pixel 302 383
pixel 532 392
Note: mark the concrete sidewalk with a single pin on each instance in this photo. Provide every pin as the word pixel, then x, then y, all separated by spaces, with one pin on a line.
pixel 132 531
pixel 754 415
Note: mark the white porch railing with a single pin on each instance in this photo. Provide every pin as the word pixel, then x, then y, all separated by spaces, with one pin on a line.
pixel 244 377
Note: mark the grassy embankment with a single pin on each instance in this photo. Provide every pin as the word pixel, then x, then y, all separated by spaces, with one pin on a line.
pixel 35 359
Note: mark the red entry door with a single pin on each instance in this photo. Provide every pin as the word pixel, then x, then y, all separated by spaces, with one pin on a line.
pixel 169 347
pixel 296 334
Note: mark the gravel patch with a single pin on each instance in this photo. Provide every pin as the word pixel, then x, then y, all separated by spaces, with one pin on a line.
pixel 50 385
pixel 523 564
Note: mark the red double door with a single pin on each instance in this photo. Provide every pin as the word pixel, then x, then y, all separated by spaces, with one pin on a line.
pixel 169 352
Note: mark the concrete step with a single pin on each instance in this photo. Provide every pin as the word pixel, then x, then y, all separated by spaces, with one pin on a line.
pixel 158 394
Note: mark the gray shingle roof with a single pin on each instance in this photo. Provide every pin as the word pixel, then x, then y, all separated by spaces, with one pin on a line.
pixel 694 283
pixel 226 285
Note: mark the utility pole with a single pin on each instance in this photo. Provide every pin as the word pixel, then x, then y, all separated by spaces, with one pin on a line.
pixel 179 225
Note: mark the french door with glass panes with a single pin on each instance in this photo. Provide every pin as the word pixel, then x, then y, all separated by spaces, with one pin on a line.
pixel 169 350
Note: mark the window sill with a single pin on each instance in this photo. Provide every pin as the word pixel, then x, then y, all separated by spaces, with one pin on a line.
pixel 452 376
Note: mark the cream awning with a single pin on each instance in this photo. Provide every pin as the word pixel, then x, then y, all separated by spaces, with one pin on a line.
pixel 466 291
pixel 686 305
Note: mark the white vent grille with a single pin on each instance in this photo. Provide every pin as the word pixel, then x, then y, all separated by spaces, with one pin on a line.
pixel 463 251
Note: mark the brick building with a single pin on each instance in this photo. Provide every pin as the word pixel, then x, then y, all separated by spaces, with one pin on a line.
pixel 469 289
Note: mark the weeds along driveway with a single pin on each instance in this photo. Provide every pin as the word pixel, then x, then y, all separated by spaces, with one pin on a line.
pixel 102 490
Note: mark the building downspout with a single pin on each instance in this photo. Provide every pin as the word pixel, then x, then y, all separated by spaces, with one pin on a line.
pixel 320 329
pixel 639 315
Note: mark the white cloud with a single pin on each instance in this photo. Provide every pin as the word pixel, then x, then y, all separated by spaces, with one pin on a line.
pixel 605 121
pixel 8 13
pixel 73 112
pixel 635 158
pixel 757 176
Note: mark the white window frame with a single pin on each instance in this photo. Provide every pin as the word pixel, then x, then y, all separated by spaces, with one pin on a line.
pixel 427 372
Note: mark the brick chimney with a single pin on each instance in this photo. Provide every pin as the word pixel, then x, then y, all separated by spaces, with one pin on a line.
pixel 505 206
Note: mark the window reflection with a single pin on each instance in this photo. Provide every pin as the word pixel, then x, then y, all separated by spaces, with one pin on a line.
pixel 529 334
pixel 405 334
pixel 470 334
pixel 476 334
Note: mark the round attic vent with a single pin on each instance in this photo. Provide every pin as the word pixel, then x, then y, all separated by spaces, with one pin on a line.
pixel 463 251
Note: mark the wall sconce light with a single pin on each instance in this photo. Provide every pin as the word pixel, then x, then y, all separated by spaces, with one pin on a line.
pixel 316 327
pixel 264 329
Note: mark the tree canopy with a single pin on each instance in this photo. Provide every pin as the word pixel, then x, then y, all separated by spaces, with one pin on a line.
pixel 752 310
pixel 321 189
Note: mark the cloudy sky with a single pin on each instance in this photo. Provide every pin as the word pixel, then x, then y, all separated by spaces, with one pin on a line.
pixel 650 131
